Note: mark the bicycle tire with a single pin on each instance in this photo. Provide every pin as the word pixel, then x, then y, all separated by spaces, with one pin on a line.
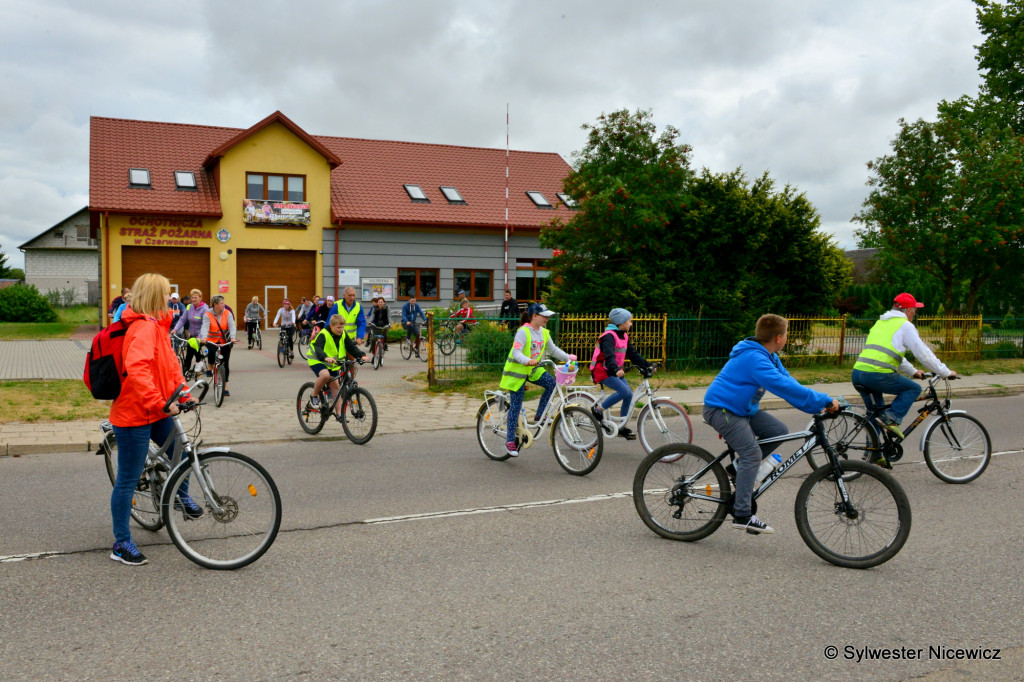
pixel 145 509
pixel 847 432
pixel 259 339
pixel 218 386
pixel 963 458
pixel 303 344
pixel 291 355
pixel 445 339
pixel 282 354
pixel 406 347
pixel 248 523
pixel 659 495
pixel 491 428
pixel 581 397
pixel 678 428
pixel 311 419
pixel 883 516
pixel 378 355
pixel 358 426
pixel 577 440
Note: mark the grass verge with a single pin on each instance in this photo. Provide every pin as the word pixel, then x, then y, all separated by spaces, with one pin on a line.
pixel 68 320
pixel 49 401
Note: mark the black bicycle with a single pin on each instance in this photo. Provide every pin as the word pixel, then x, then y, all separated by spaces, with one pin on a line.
pixel 285 351
pixel 358 413
pixel 378 339
pixel 956 447
pixel 684 493
pixel 306 333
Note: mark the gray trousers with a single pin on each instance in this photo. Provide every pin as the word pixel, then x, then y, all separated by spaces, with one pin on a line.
pixel 741 434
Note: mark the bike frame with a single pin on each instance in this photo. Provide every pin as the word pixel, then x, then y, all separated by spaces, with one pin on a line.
pixel 535 429
pixel 932 404
pixel 643 389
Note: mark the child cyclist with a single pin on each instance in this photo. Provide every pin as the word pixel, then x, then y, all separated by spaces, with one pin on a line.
pixel 731 408
pixel 607 365
pixel 325 353
pixel 532 342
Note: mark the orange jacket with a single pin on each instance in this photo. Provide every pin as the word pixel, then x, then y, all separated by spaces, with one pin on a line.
pixel 152 371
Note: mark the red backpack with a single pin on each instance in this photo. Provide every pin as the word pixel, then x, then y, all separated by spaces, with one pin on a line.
pixel 104 365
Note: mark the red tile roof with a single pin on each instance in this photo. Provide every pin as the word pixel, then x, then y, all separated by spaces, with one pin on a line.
pixel 367 186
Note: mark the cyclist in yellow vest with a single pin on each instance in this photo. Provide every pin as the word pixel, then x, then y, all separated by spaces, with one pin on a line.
pixel 881 363
pixel 531 343
pixel 325 351
pixel 349 308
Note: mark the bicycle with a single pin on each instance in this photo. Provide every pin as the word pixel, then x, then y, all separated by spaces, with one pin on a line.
pixel 956 446
pixel 240 501
pixel 377 350
pixel 180 345
pixel 408 347
pixel 446 337
pixel 682 492
pixel 358 409
pixel 257 337
pixel 285 353
pixel 214 362
pixel 661 420
pixel 306 334
pixel 575 437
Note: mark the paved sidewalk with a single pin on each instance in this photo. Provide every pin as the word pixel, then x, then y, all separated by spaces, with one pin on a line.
pixel 261 407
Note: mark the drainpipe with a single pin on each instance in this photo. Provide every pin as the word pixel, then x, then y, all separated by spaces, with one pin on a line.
pixel 106 260
pixel 337 230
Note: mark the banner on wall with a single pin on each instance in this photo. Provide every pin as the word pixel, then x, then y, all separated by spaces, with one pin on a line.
pixel 378 286
pixel 275 212
pixel 222 286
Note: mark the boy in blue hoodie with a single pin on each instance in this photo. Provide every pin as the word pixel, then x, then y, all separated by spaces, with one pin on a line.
pixel 731 408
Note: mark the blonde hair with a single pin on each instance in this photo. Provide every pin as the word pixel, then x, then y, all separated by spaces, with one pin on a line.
pixel 255 299
pixel 196 292
pixel 149 294
pixel 769 326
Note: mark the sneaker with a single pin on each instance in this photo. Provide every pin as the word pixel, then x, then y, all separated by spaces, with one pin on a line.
pixel 338 417
pixel 188 507
pixel 882 462
pixel 511 448
pixel 627 433
pixel 597 412
pixel 128 553
pixel 752 525
pixel 314 402
pixel 226 392
pixel 892 427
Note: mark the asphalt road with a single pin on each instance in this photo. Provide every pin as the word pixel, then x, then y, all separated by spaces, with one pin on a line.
pixel 570 585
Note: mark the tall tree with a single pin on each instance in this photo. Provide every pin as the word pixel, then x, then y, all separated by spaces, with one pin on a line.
pixel 4 269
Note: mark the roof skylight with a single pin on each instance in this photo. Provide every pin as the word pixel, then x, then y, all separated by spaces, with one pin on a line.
pixel 138 177
pixel 416 193
pixel 539 199
pixel 452 195
pixel 185 180
pixel 567 200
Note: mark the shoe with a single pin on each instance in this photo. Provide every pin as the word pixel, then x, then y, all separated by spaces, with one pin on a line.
pixel 511 448
pixel 188 507
pixel 128 553
pixel 226 393
pixel 338 417
pixel 883 462
pixel 291 356
pixel 752 525
pixel 209 372
pixel 627 433
pixel 892 427
pixel 314 402
pixel 597 412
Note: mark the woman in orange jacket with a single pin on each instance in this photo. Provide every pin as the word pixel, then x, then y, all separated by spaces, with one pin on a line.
pixel 152 374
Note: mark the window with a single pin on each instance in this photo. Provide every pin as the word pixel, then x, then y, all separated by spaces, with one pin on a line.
pixel 138 177
pixel 532 279
pixel 266 187
pixel 452 195
pixel 418 282
pixel 567 200
pixel 539 199
pixel 416 194
pixel 185 180
pixel 476 283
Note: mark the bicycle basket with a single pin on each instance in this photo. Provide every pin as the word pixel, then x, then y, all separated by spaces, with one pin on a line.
pixel 565 378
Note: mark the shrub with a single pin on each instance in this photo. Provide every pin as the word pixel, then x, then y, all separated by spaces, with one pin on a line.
pixel 488 344
pixel 24 303
pixel 68 296
pixel 53 296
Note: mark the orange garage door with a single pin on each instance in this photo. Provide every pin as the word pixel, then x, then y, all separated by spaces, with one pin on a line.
pixel 270 273
pixel 188 268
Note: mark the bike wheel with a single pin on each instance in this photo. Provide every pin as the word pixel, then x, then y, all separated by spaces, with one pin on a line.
pixel 662 422
pixel 957 449
pixel 406 346
pixel 674 504
pixel 247 522
pixel 282 354
pixel 445 341
pixel 218 386
pixel 423 350
pixel 378 355
pixel 259 339
pixel 304 346
pixel 871 533
pixel 577 440
pixel 581 397
pixel 311 419
pixel 146 500
pixel 491 423
pixel 852 435
pixel 291 355
pixel 359 416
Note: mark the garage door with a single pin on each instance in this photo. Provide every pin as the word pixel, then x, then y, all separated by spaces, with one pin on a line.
pixel 188 268
pixel 260 270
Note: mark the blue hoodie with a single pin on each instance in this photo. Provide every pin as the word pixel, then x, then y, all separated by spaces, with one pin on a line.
pixel 750 371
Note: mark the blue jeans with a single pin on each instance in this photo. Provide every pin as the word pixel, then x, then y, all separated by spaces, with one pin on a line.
pixel 132 448
pixel 905 389
pixel 516 403
pixel 622 392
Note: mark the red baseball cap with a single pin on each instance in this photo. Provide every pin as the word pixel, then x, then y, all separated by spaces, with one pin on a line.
pixel 907 301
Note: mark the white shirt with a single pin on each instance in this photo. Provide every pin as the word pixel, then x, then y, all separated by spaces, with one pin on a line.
pixel 907 338
pixel 287 317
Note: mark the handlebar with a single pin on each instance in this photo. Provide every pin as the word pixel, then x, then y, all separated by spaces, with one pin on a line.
pixel 182 389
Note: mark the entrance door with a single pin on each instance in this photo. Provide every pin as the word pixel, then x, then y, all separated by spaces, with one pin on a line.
pixel 275 294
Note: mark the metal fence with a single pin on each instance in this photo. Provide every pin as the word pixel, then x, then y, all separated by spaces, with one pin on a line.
pixel 697 342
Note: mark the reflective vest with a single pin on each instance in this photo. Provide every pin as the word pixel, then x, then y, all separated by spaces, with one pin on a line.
pixel 514 374
pixel 879 355
pixel 330 347
pixel 597 367
pixel 218 334
pixel 351 318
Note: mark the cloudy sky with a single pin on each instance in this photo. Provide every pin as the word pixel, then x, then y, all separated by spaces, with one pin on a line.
pixel 809 90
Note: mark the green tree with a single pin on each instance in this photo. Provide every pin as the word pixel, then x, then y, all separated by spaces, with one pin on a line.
pixel 4 269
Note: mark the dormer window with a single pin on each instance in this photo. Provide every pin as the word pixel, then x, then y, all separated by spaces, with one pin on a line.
pixel 538 199
pixel 138 177
pixel 416 194
pixel 567 200
pixel 185 180
pixel 452 195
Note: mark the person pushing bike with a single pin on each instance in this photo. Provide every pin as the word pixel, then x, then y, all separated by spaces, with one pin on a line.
pixel 881 364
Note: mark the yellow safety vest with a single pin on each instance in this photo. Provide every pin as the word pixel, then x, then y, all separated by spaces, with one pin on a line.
pixel 515 374
pixel 330 347
pixel 351 318
pixel 879 355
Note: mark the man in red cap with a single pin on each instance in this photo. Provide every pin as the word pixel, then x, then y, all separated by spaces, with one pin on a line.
pixel 880 365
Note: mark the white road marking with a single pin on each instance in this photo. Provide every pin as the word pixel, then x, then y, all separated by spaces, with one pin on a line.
pixel 488 510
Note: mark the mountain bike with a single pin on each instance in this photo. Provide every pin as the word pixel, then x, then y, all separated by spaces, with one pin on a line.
pixel 305 334
pixel 257 337
pixel 240 502
pixel 956 446
pixel 682 492
pixel 377 350
pixel 285 352
pixel 661 420
pixel 358 410
pixel 214 360
pixel 408 346
pixel 575 436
